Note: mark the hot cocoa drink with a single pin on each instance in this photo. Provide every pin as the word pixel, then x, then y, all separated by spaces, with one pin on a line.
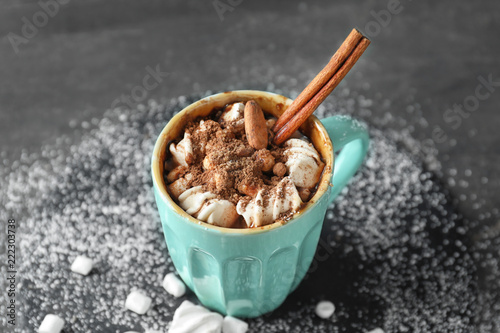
pixel 226 171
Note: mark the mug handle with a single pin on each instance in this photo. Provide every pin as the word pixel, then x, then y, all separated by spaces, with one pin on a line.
pixel 352 137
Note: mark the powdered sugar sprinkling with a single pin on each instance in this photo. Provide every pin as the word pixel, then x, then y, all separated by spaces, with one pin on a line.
pixel 394 251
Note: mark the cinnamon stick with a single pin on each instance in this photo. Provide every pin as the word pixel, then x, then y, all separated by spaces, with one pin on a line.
pixel 321 78
pixel 317 91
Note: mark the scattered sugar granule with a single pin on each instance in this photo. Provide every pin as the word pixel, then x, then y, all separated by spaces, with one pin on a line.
pixel 190 318
pixel 392 233
pixel 325 309
pixel 51 324
pixel 138 302
pixel 173 285
pixel 234 325
pixel 82 265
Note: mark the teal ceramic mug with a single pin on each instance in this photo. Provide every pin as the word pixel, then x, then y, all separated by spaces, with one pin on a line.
pixel 248 272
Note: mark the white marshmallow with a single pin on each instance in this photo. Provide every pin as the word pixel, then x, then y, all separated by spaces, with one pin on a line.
pixel 82 265
pixel 233 325
pixel 138 302
pixel 325 309
pixel 173 285
pixel 51 324
pixel 190 318
pixel 377 330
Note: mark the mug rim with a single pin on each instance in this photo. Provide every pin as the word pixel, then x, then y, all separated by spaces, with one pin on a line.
pixel 162 143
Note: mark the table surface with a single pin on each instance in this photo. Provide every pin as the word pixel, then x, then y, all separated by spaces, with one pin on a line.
pixel 426 59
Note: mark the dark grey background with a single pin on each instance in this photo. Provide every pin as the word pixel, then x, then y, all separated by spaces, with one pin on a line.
pixel 422 61
pixel 92 52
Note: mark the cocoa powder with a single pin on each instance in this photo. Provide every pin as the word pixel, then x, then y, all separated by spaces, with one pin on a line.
pixel 224 163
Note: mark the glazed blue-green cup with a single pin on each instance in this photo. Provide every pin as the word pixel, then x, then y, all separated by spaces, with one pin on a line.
pixel 248 272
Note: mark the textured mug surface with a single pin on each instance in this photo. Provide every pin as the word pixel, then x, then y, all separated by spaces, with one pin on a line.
pixel 248 272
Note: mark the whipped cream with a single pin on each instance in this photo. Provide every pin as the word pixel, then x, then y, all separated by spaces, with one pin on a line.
pixel 233 115
pixel 182 153
pixel 283 198
pixel 205 206
pixel 190 318
pixel 303 163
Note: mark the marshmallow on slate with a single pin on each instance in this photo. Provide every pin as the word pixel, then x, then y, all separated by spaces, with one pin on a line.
pixel 138 302
pixel 377 330
pixel 173 285
pixel 325 309
pixel 190 318
pixel 233 325
pixel 82 265
pixel 51 324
